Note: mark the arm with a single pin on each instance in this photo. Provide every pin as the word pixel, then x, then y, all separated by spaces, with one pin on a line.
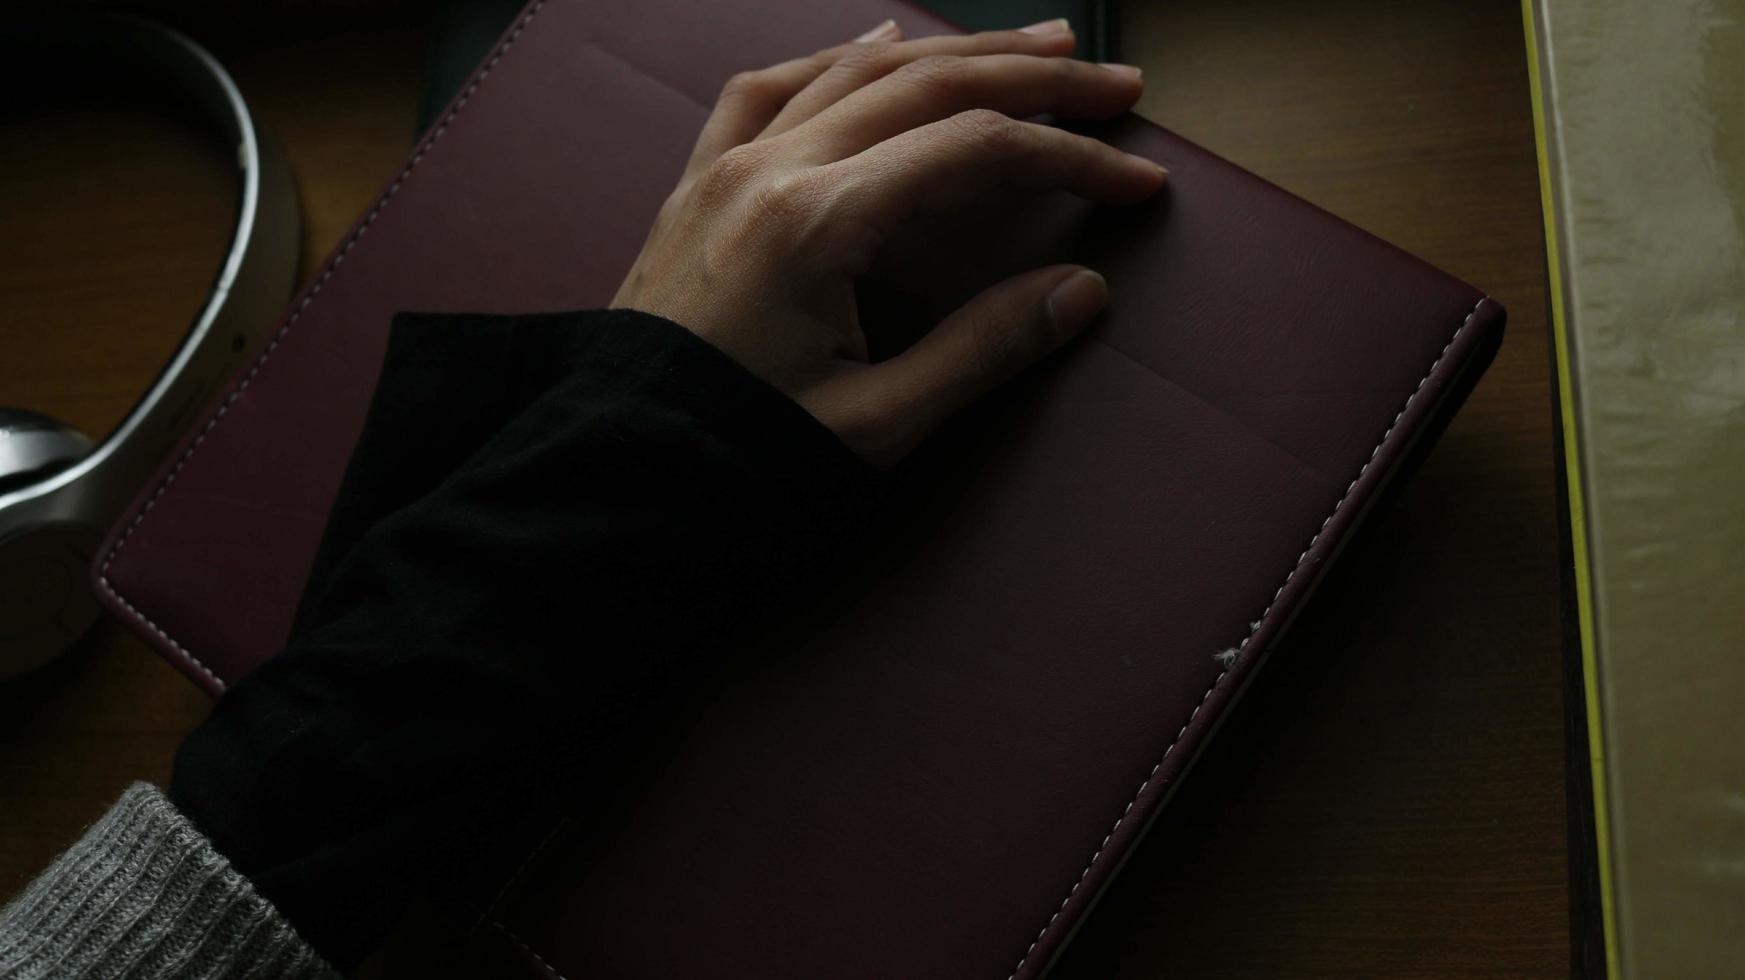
pixel 493 654
pixel 144 894
pixel 491 650
pixel 486 656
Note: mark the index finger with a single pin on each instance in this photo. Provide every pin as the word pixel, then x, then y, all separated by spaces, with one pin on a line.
pixel 936 88
pixel 858 69
pixel 945 162
pixel 751 99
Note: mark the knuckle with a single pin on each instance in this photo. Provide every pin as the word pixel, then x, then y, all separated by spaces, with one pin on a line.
pixel 729 174
pixel 867 60
pixel 792 198
pixel 748 86
pixel 992 343
pixel 985 126
pixel 937 72
pixel 819 63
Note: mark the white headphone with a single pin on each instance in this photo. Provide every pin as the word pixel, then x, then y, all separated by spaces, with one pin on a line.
pixel 58 493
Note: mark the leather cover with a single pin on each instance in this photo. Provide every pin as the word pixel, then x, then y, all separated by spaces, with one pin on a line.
pixel 938 774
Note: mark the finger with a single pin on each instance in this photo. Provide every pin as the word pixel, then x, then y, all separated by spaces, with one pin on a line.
pixel 936 88
pixel 873 62
pixel 870 195
pixel 990 339
pixel 751 99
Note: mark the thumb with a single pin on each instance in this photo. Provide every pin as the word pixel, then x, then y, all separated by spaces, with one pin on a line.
pixel 994 336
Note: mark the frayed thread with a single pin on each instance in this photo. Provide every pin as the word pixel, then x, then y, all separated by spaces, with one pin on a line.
pixel 1227 657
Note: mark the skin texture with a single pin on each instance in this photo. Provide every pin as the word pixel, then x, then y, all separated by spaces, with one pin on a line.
pixel 807 168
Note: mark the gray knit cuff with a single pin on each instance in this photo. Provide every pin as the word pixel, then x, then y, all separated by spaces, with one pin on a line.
pixel 143 894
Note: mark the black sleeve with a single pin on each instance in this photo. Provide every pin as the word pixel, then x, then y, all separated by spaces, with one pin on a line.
pixel 551 524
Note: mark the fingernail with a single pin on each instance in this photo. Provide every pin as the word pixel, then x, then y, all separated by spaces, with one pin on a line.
pixel 1131 71
pixel 1058 25
pixel 1150 164
pixel 1075 301
pixel 883 32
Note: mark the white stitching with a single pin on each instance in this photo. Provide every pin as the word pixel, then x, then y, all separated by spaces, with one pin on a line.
pixel 1242 648
pixel 549 969
pixel 333 264
pixel 273 345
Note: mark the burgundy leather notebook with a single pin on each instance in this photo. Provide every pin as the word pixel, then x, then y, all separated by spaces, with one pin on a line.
pixel 937 773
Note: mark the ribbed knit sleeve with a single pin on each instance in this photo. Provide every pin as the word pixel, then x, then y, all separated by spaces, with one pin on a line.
pixel 143 894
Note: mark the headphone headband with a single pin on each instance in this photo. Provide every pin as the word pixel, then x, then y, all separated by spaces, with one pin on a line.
pixel 49 523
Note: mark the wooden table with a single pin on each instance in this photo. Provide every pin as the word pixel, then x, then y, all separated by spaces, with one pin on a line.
pixel 102 266
pixel 1388 801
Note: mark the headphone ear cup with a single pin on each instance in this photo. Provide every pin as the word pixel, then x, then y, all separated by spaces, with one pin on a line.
pixel 34 446
pixel 45 603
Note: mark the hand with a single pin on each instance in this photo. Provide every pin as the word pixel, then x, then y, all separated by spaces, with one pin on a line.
pixel 806 169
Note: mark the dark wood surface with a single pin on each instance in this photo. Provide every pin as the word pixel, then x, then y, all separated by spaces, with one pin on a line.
pixel 1388 801
pixel 113 216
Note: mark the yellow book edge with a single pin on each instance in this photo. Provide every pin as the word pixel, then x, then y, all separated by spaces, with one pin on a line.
pixel 1573 479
